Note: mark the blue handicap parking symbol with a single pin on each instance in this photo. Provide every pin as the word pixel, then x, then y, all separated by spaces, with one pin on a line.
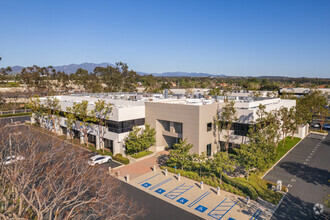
pixel 160 190
pixel 230 218
pixel 146 185
pixel 201 208
pixel 182 200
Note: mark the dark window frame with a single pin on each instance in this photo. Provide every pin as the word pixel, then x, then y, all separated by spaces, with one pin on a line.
pixel 209 126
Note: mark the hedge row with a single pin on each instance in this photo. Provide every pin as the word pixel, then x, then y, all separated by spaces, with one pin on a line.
pixel 209 180
pixel 141 154
pixel 245 187
pixel 121 159
pixel 16 114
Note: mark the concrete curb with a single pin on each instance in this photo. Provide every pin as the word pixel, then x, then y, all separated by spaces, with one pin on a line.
pixel 281 159
pixel 314 132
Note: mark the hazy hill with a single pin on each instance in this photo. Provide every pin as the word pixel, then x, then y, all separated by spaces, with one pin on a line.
pixel 72 68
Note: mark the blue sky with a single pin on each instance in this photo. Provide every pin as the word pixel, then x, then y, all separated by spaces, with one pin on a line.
pixel 247 37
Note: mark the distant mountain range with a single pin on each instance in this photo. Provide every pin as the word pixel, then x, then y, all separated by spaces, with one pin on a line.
pixel 72 68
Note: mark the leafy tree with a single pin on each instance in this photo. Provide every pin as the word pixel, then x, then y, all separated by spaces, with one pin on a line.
pixel 140 139
pixel 85 116
pixel 311 105
pixel 36 107
pixel 221 163
pixel 70 120
pixel 226 119
pixel 52 110
pixel 263 136
pixel 285 122
pixel 179 155
pixel 4 73
pixel 323 115
pixel 101 113
pixel 199 162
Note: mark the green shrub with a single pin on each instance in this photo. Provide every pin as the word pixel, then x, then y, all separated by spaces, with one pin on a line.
pixel 209 180
pixel 141 154
pixel 263 188
pixel 121 159
pixel 246 188
pixel 17 114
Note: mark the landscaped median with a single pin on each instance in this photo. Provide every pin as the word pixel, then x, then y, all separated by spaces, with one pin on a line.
pixel 254 187
pixel 289 143
pixel 209 170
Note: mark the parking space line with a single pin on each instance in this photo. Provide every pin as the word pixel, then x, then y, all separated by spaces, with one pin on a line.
pixel 148 179
pixel 219 213
pixel 178 191
pixel 161 183
pixel 256 214
pixel 199 199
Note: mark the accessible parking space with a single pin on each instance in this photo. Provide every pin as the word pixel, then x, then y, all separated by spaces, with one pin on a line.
pixel 203 202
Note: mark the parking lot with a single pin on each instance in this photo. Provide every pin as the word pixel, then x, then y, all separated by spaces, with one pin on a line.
pixel 305 171
pixel 205 203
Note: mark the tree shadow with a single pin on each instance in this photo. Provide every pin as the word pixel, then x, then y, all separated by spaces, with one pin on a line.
pixel 294 208
pixel 161 159
pixel 307 173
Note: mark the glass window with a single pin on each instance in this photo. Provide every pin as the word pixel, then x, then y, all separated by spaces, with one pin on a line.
pixel 108 144
pixel 209 126
pixel 165 124
pixel 240 129
pixel 124 126
pixel 208 149
pixel 178 127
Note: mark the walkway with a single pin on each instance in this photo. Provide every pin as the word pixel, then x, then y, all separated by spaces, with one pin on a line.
pixel 141 167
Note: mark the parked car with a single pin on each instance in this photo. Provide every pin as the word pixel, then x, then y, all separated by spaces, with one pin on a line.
pixel 12 159
pixel 315 125
pixel 326 126
pixel 99 159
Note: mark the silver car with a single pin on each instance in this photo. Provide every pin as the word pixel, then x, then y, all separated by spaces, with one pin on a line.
pixel 12 159
pixel 99 159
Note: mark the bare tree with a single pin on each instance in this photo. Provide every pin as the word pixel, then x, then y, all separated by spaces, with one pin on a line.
pixel 55 182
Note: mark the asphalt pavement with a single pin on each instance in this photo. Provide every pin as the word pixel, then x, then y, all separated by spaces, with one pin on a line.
pixel 305 171
pixel 9 120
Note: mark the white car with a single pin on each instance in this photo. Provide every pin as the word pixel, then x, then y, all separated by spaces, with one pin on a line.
pixel 12 159
pixel 99 159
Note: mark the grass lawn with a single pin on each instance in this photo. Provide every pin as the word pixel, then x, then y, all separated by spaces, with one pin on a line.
pixel 141 154
pixel 289 143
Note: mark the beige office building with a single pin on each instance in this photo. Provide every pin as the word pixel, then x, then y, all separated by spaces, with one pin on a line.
pixel 176 119
pixel 193 119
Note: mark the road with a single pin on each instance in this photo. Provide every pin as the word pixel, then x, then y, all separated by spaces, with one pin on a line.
pixel 305 171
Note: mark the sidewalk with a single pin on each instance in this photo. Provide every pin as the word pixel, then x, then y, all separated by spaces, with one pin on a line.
pixel 141 167
pixel 205 203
